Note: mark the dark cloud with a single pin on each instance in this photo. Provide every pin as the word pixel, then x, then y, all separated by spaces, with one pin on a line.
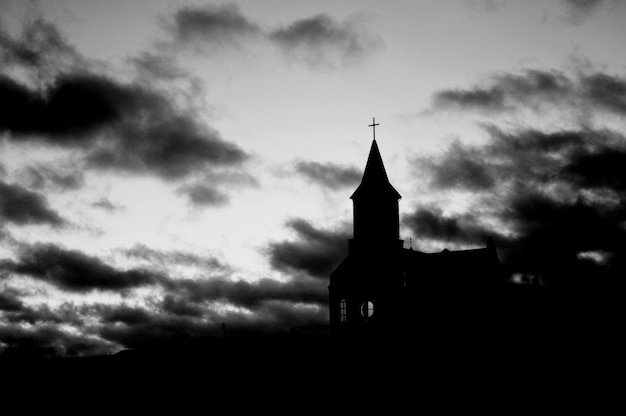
pixel 537 90
pixel 251 295
pixel 46 177
pixel 39 48
pixel 507 92
pixel 430 223
pixel 66 314
pixel 126 126
pixel 320 40
pixel 602 169
pixel 188 309
pixel 211 26
pixel 557 198
pixel 584 157
pixel 169 145
pixel 48 341
pixel 317 41
pixel 187 312
pixel 605 91
pixel 136 328
pixel 176 257
pixel 585 5
pixel 129 127
pixel 204 195
pixel 9 302
pixel 284 315
pixel 158 66
pixel 21 206
pixel 75 271
pixel 41 331
pixel 180 306
pixel 491 99
pixel 580 10
pixel 74 106
pixel 460 168
pixel 329 175
pixel 107 205
pixel 315 252
pixel 126 314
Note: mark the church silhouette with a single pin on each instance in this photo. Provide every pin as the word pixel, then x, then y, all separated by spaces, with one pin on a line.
pixel 383 289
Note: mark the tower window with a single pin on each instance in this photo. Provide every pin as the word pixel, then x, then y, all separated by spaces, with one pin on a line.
pixel 343 311
pixel 367 309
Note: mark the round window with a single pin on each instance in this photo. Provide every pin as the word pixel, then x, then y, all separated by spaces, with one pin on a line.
pixel 367 309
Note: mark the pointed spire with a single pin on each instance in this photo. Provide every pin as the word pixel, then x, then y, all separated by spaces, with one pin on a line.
pixel 375 177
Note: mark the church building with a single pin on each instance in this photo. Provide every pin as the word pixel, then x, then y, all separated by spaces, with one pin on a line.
pixel 383 288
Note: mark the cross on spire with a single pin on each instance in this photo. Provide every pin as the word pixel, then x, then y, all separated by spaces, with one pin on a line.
pixel 374 124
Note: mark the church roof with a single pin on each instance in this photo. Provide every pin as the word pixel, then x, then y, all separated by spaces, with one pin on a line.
pixel 375 181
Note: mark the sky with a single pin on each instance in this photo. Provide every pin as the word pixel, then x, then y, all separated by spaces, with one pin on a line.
pixel 179 169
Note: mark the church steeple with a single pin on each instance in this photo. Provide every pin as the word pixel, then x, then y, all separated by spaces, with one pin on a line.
pixel 375 181
pixel 375 202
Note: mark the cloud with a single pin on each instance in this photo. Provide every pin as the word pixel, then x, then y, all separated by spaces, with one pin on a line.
pixel 204 195
pixel 183 309
pixel 602 169
pixel 329 175
pixel 75 271
pixel 23 207
pixel 485 5
pixel 107 205
pixel 321 41
pixel 172 147
pixel 40 49
pixel 46 177
pixel 585 5
pixel 553 196
pixel 48 341
pixel 315 252
pixel 179 308
pixel 251 295
pixel 431 223
pixel 536 90
pixel 316 41
pixel 20 313
pixel 485 99
pixel 10 303
pixel 210 26
pixel 187 314
pixel 460 168
pixel 507 92
pixel 75 105
pixel 580 10
pixel 126 315
pixel 605 91
pixel 131 126
pixel 158 65
pixel 208 263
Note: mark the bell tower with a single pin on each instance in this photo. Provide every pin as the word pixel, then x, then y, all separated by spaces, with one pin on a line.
pixel 375 205
pixel 366 288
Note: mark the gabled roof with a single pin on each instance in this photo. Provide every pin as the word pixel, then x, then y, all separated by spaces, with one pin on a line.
pixel 375 181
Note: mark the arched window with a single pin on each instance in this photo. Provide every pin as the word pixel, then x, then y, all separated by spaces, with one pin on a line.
pixel 367 309
pixel 343 311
